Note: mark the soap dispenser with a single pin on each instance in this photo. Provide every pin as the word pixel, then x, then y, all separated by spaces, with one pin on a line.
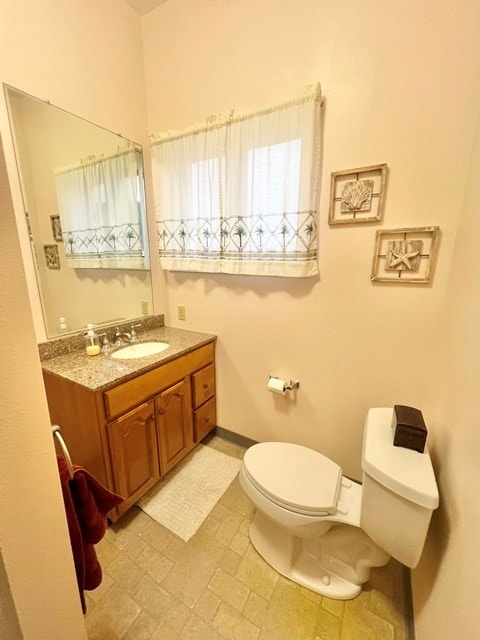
pixel 92 341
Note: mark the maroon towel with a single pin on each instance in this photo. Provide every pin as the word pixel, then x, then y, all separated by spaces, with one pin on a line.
pixel 87 503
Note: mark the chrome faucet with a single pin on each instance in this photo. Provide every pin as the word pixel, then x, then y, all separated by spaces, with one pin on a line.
pixel 105 343
pixel 130 336
pixel 118 338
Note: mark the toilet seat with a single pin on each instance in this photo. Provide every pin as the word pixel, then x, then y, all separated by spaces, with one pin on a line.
pixel 294 477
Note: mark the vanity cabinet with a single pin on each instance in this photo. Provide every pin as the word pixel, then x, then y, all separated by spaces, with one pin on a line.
pixel 133 433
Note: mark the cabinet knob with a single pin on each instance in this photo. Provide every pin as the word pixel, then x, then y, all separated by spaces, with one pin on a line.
pixel 207 419
pixel 205 385
pixel 161 411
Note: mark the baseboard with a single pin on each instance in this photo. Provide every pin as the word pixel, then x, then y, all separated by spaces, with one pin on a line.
pixel 236 438
pixel 408 604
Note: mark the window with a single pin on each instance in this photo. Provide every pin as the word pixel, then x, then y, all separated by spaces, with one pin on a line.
pixel 273 186
pixel 238 194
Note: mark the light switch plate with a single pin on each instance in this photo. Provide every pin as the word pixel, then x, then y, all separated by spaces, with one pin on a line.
pixel 181 312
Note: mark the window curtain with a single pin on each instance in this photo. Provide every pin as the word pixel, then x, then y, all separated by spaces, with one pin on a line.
pixel 100 204
pixel 238 193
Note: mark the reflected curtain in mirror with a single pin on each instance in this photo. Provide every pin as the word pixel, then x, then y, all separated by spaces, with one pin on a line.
pixel 100 205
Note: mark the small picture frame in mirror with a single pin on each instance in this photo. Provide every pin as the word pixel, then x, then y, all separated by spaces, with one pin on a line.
pixel 56 228
pixel 52 259
pixel 29 226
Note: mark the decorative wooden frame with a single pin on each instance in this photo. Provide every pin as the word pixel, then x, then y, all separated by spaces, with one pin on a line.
pixel 370 182
pixel 56 228
pixel 29 226
pixel 410 250
pixel 52 259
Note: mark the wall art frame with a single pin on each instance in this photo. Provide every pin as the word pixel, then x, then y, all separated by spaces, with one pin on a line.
pixel 358 195
pixel 29 226
pixel 405 255
pixel 56 228
pixel 52 258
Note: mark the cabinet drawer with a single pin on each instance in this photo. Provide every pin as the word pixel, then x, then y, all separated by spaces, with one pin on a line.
pixel 131 393
pixel 204 419
pixel 203 385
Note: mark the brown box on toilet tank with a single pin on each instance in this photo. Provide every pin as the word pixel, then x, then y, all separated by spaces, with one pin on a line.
pixel 409 429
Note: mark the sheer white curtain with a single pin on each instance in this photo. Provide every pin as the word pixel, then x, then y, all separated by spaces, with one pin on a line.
pixel 76 215
pixel 100 210
pixel 238 193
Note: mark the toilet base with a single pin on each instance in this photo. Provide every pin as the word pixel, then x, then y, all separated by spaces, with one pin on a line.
pixel 307 561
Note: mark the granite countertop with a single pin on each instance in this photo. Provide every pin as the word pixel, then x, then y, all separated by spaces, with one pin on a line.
pixel 102 372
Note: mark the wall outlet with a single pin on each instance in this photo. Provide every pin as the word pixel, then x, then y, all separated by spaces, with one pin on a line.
pixel 181 312
pixel 144 304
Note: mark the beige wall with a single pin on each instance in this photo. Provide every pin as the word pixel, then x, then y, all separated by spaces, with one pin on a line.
pixel 8 615
pixel 36 555
pixel 84 56
pixel 401 87
pixel 448 578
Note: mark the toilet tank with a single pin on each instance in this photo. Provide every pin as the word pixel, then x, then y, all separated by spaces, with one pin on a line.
pixel 399 491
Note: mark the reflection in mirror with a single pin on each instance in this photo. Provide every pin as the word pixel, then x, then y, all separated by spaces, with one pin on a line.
pixel 84 201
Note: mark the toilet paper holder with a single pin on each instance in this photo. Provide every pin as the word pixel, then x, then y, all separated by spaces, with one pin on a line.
pixel 294 384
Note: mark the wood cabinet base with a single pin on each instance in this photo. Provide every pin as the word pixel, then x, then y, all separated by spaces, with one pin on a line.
pixel 131 435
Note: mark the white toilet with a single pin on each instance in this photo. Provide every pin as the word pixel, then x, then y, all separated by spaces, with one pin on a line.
pixel 326 532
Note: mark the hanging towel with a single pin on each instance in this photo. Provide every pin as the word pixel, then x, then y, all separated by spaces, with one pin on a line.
pixel 87 503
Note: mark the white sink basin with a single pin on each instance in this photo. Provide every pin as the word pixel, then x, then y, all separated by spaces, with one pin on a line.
pixel 140 350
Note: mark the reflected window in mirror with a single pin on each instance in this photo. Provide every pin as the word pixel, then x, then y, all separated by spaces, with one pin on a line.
pixel 100 204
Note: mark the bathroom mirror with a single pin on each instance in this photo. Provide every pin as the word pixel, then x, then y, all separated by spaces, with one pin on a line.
pixel 84 201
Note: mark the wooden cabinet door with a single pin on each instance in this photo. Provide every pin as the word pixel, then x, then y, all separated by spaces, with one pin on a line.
pixel 134 451
pixel 174 424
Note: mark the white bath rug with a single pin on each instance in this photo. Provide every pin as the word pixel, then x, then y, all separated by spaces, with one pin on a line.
pixel 185 496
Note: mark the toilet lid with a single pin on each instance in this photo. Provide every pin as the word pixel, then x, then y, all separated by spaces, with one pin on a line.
pixel 295 477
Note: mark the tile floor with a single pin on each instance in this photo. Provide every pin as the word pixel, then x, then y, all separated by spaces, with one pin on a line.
pixel 216 586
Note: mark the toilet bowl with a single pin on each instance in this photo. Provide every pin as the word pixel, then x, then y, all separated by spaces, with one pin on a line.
pixel 326 532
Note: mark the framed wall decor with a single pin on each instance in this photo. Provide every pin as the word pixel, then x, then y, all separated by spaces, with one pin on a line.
pixel 405 255
pixel 56 228
pixel 52 259
pixel 357 195
pixel 29 226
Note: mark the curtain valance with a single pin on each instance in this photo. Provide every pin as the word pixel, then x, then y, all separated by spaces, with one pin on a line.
pixel 238 193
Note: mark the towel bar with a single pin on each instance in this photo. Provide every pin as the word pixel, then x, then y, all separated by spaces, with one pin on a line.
pixel 56 434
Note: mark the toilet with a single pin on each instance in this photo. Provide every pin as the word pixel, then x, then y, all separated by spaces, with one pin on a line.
pixel 324 531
